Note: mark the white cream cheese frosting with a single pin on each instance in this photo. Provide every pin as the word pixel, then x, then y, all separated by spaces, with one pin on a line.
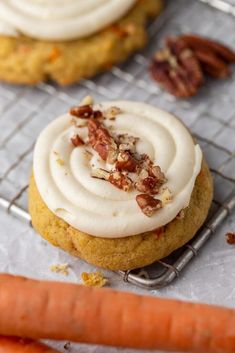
pixel 59 19
pixel 63 172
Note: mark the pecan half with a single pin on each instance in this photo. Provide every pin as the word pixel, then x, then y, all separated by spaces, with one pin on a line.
pixel 120 180
pixel 126 162
pixel 102 141
pixel 230 238
pixel 77 141
pixel 213 56
pixel 212 64
pixel 177 69
pixel 148 204
pixel 196 42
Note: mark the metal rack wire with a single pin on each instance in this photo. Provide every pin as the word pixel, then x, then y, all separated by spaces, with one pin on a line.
pixel 211 116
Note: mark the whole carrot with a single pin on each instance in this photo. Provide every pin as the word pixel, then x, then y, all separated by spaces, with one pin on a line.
pixel 39 309
pixel 20 345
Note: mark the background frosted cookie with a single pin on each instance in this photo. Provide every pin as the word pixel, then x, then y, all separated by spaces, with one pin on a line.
pixel 119 184
pixel 26 59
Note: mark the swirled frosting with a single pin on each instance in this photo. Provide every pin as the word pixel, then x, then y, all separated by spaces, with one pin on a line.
pixel 94 206
pixel 58 19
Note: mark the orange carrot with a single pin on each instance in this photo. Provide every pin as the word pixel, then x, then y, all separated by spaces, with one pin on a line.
pixel 39 309
pixel 20 345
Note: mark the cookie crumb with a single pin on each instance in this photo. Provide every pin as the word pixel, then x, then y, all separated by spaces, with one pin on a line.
pixel 62 269
pixel 94 279
pixel 230 237
pixel 60 161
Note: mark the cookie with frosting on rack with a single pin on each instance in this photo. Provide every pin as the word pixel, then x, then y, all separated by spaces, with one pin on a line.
pixel 119 184
pixel 66 41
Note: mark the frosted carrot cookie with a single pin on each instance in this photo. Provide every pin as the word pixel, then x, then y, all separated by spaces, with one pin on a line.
pixel 66 41
pixel 120 184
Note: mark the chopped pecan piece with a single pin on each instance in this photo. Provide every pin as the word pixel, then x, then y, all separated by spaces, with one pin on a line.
pixel 177 69
pixel 111 112
pixel 126 142
pixel 148 185
pixel 230 238
pixel 97 114
pixel 120 180
pixel 83 111
pixel 156 172
pixel 145 162
pixel 126 162
pixel 148 204
pixel 77 141
pixel 167 195
pixel 100 173
pixel 127 139
pixel 150 176
pixel 102 141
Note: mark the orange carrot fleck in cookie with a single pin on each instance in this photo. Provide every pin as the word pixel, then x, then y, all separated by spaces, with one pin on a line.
pixel 159 231
pixel 54 54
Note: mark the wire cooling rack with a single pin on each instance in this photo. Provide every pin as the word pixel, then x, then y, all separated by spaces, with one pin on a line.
pixel 24 111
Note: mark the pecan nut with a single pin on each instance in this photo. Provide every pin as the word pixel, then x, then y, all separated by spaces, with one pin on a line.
pixel 147 185
pixel 150 176
pixel 120 180
pixel 213 56
pixel 100 173
pixel 177 69
pixel 77 141
pixel 148 204
pixel 196 42
pixel 102 141
pixel 126 162
pixel 230 238
pixel 156 172
pixel 83 111
pixel 86 112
